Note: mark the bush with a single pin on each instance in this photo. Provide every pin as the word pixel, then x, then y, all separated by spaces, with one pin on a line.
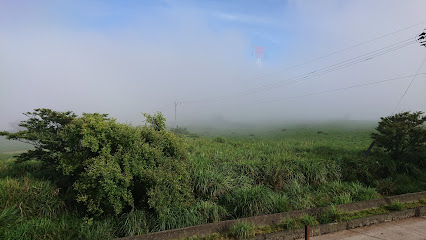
pixel 402 135
pixel 110 167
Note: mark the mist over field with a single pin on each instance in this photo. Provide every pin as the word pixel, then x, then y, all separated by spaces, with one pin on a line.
pixel 140 56
pixel 287 108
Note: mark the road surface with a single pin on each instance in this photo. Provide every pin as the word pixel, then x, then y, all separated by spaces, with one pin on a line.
pixel 407 229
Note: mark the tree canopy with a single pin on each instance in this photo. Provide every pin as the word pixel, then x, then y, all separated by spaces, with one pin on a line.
pixel 403 136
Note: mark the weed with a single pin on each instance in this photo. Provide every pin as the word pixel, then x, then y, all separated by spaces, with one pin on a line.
pixel 250 201
pixel 309 220
pixel 9 217
pixel 242 230
pixel 291 223
pixel 328 216
pixel 134 223
pixel 32 197
pixel 396 206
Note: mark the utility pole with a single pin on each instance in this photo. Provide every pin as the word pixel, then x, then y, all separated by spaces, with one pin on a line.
pixel 176 104
pixel 421 39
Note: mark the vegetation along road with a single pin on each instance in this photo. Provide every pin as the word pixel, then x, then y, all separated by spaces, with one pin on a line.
pixel 90 177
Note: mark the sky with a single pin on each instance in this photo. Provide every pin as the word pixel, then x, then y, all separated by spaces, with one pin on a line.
pixel 323 60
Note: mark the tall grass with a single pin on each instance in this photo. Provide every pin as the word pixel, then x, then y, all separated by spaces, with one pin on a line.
pixel 65 227
pixel 250 201
pixel 34 198
pixel 242 230
pixel 199 213
pixel 233 176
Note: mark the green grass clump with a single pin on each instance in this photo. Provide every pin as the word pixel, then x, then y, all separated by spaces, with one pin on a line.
pixel 134 223
pixel 9 217
pixel 250 201
pixel 66 227
pixel 309 220
pixel 210 183
pixel 200 212
pixel 291 223
pixel 338 192
pixel 34 198
pixel 396 206
pixel 345 216
pixel 242 230
pixel 328 216
pixel 300 196
pixel 296 223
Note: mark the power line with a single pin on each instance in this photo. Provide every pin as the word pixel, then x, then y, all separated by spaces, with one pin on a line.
pixel 336 89
pixel 409 85
pixel 356 45
pixel 335 52
pixel 318 72
pixel 331 68
pixel 343 88
pixel 345 49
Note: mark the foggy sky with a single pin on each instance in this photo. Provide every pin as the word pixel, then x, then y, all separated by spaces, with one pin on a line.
pixel 98 56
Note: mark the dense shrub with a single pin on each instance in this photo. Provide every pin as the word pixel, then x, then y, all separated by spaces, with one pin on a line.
pixel 402 135
pixel 110 167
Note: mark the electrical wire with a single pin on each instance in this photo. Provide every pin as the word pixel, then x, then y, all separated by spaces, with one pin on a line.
pixel 344 49
pixel 318 72
pixel 409 85
pixel 356 45
pixel 341 89
pixel 334 90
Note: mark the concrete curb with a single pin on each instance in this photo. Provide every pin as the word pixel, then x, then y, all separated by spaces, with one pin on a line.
pixel 220 227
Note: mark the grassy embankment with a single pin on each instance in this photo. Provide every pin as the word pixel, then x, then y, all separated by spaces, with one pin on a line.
pixel 237 174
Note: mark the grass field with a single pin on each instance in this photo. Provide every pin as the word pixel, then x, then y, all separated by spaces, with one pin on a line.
pixel 235 173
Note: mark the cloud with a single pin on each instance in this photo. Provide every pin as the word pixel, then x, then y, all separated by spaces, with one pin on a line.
pixel 243 18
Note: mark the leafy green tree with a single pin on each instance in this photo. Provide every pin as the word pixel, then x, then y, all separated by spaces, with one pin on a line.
pixel 402 135
pixel 42 131
pixel 110 167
